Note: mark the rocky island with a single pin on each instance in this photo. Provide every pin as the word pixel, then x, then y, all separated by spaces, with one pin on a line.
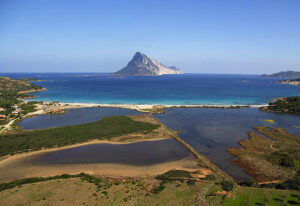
pixel 290 77
pixel 292 82
pixel 141 65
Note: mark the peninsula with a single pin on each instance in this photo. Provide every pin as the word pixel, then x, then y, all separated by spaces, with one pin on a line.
pixel 284 75
pixel 141 65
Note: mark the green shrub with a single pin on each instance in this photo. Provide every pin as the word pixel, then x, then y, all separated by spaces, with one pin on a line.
pixel 281 159
pixel 227 185
pixel 191 182
pixel 174 175
pixel 247 183
pixel 161 187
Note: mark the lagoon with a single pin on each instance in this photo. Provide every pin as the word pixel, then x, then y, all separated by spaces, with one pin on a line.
pixel 211 131
pixel 139 154
pixel 73 117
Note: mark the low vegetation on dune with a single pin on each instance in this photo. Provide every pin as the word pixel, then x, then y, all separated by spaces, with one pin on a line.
pixel 274 156
pixel 84 189
pixel 103 129
pixel 287 105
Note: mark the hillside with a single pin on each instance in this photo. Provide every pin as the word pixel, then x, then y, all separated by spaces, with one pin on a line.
pixel 284 75
pixel 13 85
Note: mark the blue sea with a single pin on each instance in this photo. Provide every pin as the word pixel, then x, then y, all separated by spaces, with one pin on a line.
pixel 217 89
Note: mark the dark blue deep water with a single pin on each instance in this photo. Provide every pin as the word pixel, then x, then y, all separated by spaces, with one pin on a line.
pixel 166 89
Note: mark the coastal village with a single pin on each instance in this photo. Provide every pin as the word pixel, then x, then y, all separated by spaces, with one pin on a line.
pixel 13 114
pixel 16 112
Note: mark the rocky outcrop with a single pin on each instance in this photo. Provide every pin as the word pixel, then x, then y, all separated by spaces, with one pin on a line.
pixel 142 65
pixel 292 82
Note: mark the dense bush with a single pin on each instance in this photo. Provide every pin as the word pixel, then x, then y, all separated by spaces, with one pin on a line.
pixel 209 177
pixel 281 159
pixel 247 183
pixel 105 128
pixel 291 184
pixel 191 182
pixel 174 175
pixel 289 105
pixel 158 189
pixel 227 185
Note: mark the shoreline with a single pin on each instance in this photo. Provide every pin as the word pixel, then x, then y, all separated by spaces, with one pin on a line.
pixel 195 161
pixel 146 108
pixel 9 158
pixel 23 162
pixel 32 91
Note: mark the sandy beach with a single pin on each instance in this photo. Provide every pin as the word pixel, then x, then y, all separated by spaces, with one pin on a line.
pixel 147 108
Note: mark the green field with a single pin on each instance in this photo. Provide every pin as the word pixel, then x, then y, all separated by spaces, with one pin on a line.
pixel 46 138
pixel 84 189
pixel 256 196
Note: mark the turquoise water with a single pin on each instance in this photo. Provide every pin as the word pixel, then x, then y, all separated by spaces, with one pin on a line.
pixel 166 89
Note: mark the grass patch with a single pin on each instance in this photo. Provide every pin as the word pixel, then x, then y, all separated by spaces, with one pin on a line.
pixel 258 196
pixel 47 138
pixel 297 164
pixel 19 183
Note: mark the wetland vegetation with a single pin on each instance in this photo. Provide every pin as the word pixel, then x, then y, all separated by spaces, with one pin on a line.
pixel 269 154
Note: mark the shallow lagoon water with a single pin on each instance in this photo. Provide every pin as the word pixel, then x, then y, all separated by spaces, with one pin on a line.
pixel 140 153
pixel 73 117
pixel 211 131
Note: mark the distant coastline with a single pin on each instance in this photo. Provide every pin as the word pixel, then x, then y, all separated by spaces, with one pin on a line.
pixel 290 82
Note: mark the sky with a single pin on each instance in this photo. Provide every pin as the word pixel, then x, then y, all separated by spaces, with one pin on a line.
pixel 199 36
